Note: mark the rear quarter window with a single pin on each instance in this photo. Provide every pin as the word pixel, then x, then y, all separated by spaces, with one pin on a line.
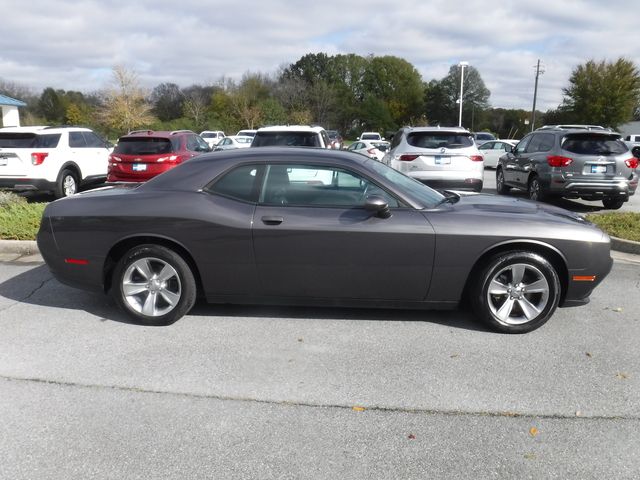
pixel 28 140
pixel 593 145
pixel 240 184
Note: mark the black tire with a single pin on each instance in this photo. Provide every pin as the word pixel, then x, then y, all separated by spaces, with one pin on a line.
pixel 535 191
pixel 165 301
pixel 501 187
pixel 515 310
pixel 612 203
pixel 636 152
pixel 67 183
pixel 478 188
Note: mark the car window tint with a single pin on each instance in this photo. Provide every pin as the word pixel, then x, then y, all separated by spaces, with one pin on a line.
pixel 589 144
pixel 143 146
pixel 439 140
pixel 240 183
pixel 76 140
pixel 522 145
pixel 302 185
pixel 92 140
pixel 286 138
pixel 487 146
pixel 541 142
pixel 28 140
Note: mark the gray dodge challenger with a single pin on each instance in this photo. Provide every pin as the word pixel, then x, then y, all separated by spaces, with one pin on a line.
pixel 295 226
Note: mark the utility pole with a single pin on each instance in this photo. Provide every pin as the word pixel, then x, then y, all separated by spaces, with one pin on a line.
pixel 535 96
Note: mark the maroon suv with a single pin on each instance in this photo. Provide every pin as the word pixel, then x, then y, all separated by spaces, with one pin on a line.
pixel 143 154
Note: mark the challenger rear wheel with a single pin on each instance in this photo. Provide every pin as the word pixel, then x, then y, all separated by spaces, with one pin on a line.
pixel 153 285
pixel 516 292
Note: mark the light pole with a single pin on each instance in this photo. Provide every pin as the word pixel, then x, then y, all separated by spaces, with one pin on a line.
pixel 461 65
pixel 539 71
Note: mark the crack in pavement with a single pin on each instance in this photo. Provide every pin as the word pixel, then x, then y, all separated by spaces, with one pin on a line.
pixel 357 407
pixel 33 292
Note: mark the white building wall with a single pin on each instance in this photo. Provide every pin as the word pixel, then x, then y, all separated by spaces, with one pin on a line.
pixel 10 116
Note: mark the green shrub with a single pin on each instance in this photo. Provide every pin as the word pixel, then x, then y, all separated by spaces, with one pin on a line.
pixel 622 225
pixel 19 219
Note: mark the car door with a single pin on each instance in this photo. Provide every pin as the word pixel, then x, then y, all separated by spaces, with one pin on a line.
pixel 313 238
pixel 98 154
pixel 489 154
pixel 510 162
pixel 534 155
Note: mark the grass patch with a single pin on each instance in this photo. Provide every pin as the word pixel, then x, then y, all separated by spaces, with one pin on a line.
pixel 19 219
pixel 622 225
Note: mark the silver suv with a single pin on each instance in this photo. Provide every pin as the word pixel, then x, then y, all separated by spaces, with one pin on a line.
pixel 441 157
pixel 587 163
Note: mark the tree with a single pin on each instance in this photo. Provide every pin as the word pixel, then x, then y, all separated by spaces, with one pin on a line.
pixel 196 103
pixel 125 107
pixel 442 97
pixel 52 106
pixel 603 93
pixel 167 101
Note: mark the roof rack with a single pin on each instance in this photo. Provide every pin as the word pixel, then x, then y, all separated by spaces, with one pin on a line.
pixel 63 126
pixel 134 132
pixel 181 131
pixel 574 127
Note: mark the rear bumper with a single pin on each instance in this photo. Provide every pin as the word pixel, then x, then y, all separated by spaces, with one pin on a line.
pixel 593 189
pixel 20 184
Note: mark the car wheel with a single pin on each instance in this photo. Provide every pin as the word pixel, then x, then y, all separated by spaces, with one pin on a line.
pixel 478 188
pixel 153 285
pixel 612 203
pixel 636 152
pixel 501 187
pixel 535 190
pixel 67 184
pixel 516 292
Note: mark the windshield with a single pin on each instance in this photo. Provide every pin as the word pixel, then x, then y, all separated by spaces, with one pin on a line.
pixel 485 136
pixel 28 140
pixel 143 146
pixel 439 140
pixel 425 195
pixel 370 136
pixel 587 144
pixel 288 139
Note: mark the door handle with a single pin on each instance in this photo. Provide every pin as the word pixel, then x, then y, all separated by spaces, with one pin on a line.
pixel 272 220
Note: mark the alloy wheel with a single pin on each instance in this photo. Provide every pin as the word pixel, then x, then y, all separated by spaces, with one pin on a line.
pixel 151 287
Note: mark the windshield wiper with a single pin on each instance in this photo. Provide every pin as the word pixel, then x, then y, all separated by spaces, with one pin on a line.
pixel 449 197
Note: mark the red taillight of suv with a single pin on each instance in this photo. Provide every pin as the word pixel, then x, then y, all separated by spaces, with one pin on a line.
pixel 476 158
pixel 408 158
pixel 559 161
pixel 631 162
pixel 173 159
pixel 38 158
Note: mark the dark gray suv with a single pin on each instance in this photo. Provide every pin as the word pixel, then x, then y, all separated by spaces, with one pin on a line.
pixel 592 164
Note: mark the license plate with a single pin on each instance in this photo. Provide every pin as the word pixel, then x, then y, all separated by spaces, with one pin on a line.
pixel 4 161
pixel 598 169
pixel 442 160
pixel 139 167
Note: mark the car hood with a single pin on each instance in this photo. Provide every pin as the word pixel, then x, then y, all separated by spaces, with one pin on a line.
pixel 512 217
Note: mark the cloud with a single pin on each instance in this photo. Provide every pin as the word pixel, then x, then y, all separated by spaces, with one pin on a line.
pixel 73 45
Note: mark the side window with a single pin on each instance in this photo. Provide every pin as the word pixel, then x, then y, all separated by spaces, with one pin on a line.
pixel 396 139
pixel 76 140
pixel 92 140
pixel 520 148
pixel 192 143
pixel 486 146
pixel 240 183
pixel 310 186
pixel 541 142
pixel 202 145
pixel 325 139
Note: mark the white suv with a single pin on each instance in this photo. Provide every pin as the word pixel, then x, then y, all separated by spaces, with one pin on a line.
pixel 51 159
pixel 292 136
pixel 212 137
pixel 444 157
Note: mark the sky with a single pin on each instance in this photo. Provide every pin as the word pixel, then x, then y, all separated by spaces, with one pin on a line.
pixel 73 45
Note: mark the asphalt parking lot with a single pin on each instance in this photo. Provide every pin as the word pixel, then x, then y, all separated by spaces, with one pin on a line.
pixel 256 392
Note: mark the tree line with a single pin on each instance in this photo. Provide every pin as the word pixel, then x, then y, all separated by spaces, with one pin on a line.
pixel 349 93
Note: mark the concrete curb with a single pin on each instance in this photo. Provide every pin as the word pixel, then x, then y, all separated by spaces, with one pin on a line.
pixel 21 247
pixel 626 246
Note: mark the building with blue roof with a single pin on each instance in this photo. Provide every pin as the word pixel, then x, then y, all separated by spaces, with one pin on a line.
pixel 10 114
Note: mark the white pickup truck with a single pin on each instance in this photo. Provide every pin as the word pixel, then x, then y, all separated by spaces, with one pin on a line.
pixel 633 142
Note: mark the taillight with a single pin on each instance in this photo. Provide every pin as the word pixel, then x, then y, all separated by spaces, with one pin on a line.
pixel 371 151
pixel 113 158
pixel 631 162
pixel 408 158
pixel 38 158
pixel 476 158
pixel 559 161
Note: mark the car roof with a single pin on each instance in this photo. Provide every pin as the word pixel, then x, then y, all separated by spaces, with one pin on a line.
pixel 157 133
pixel 45 129
pixel 439 129
pixel 291 128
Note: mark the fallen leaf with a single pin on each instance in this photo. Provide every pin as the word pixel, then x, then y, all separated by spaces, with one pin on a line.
pixel 578 413
pixel 358 409
pixel 588 354
pixel 455 355
pixel 533 431
pixel 301 340
pixel 617 310
pixel 621 376
pixel 411 436
pixel 530 456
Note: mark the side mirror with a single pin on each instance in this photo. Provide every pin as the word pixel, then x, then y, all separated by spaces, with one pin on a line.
pixel 508 148
pixel 377 204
